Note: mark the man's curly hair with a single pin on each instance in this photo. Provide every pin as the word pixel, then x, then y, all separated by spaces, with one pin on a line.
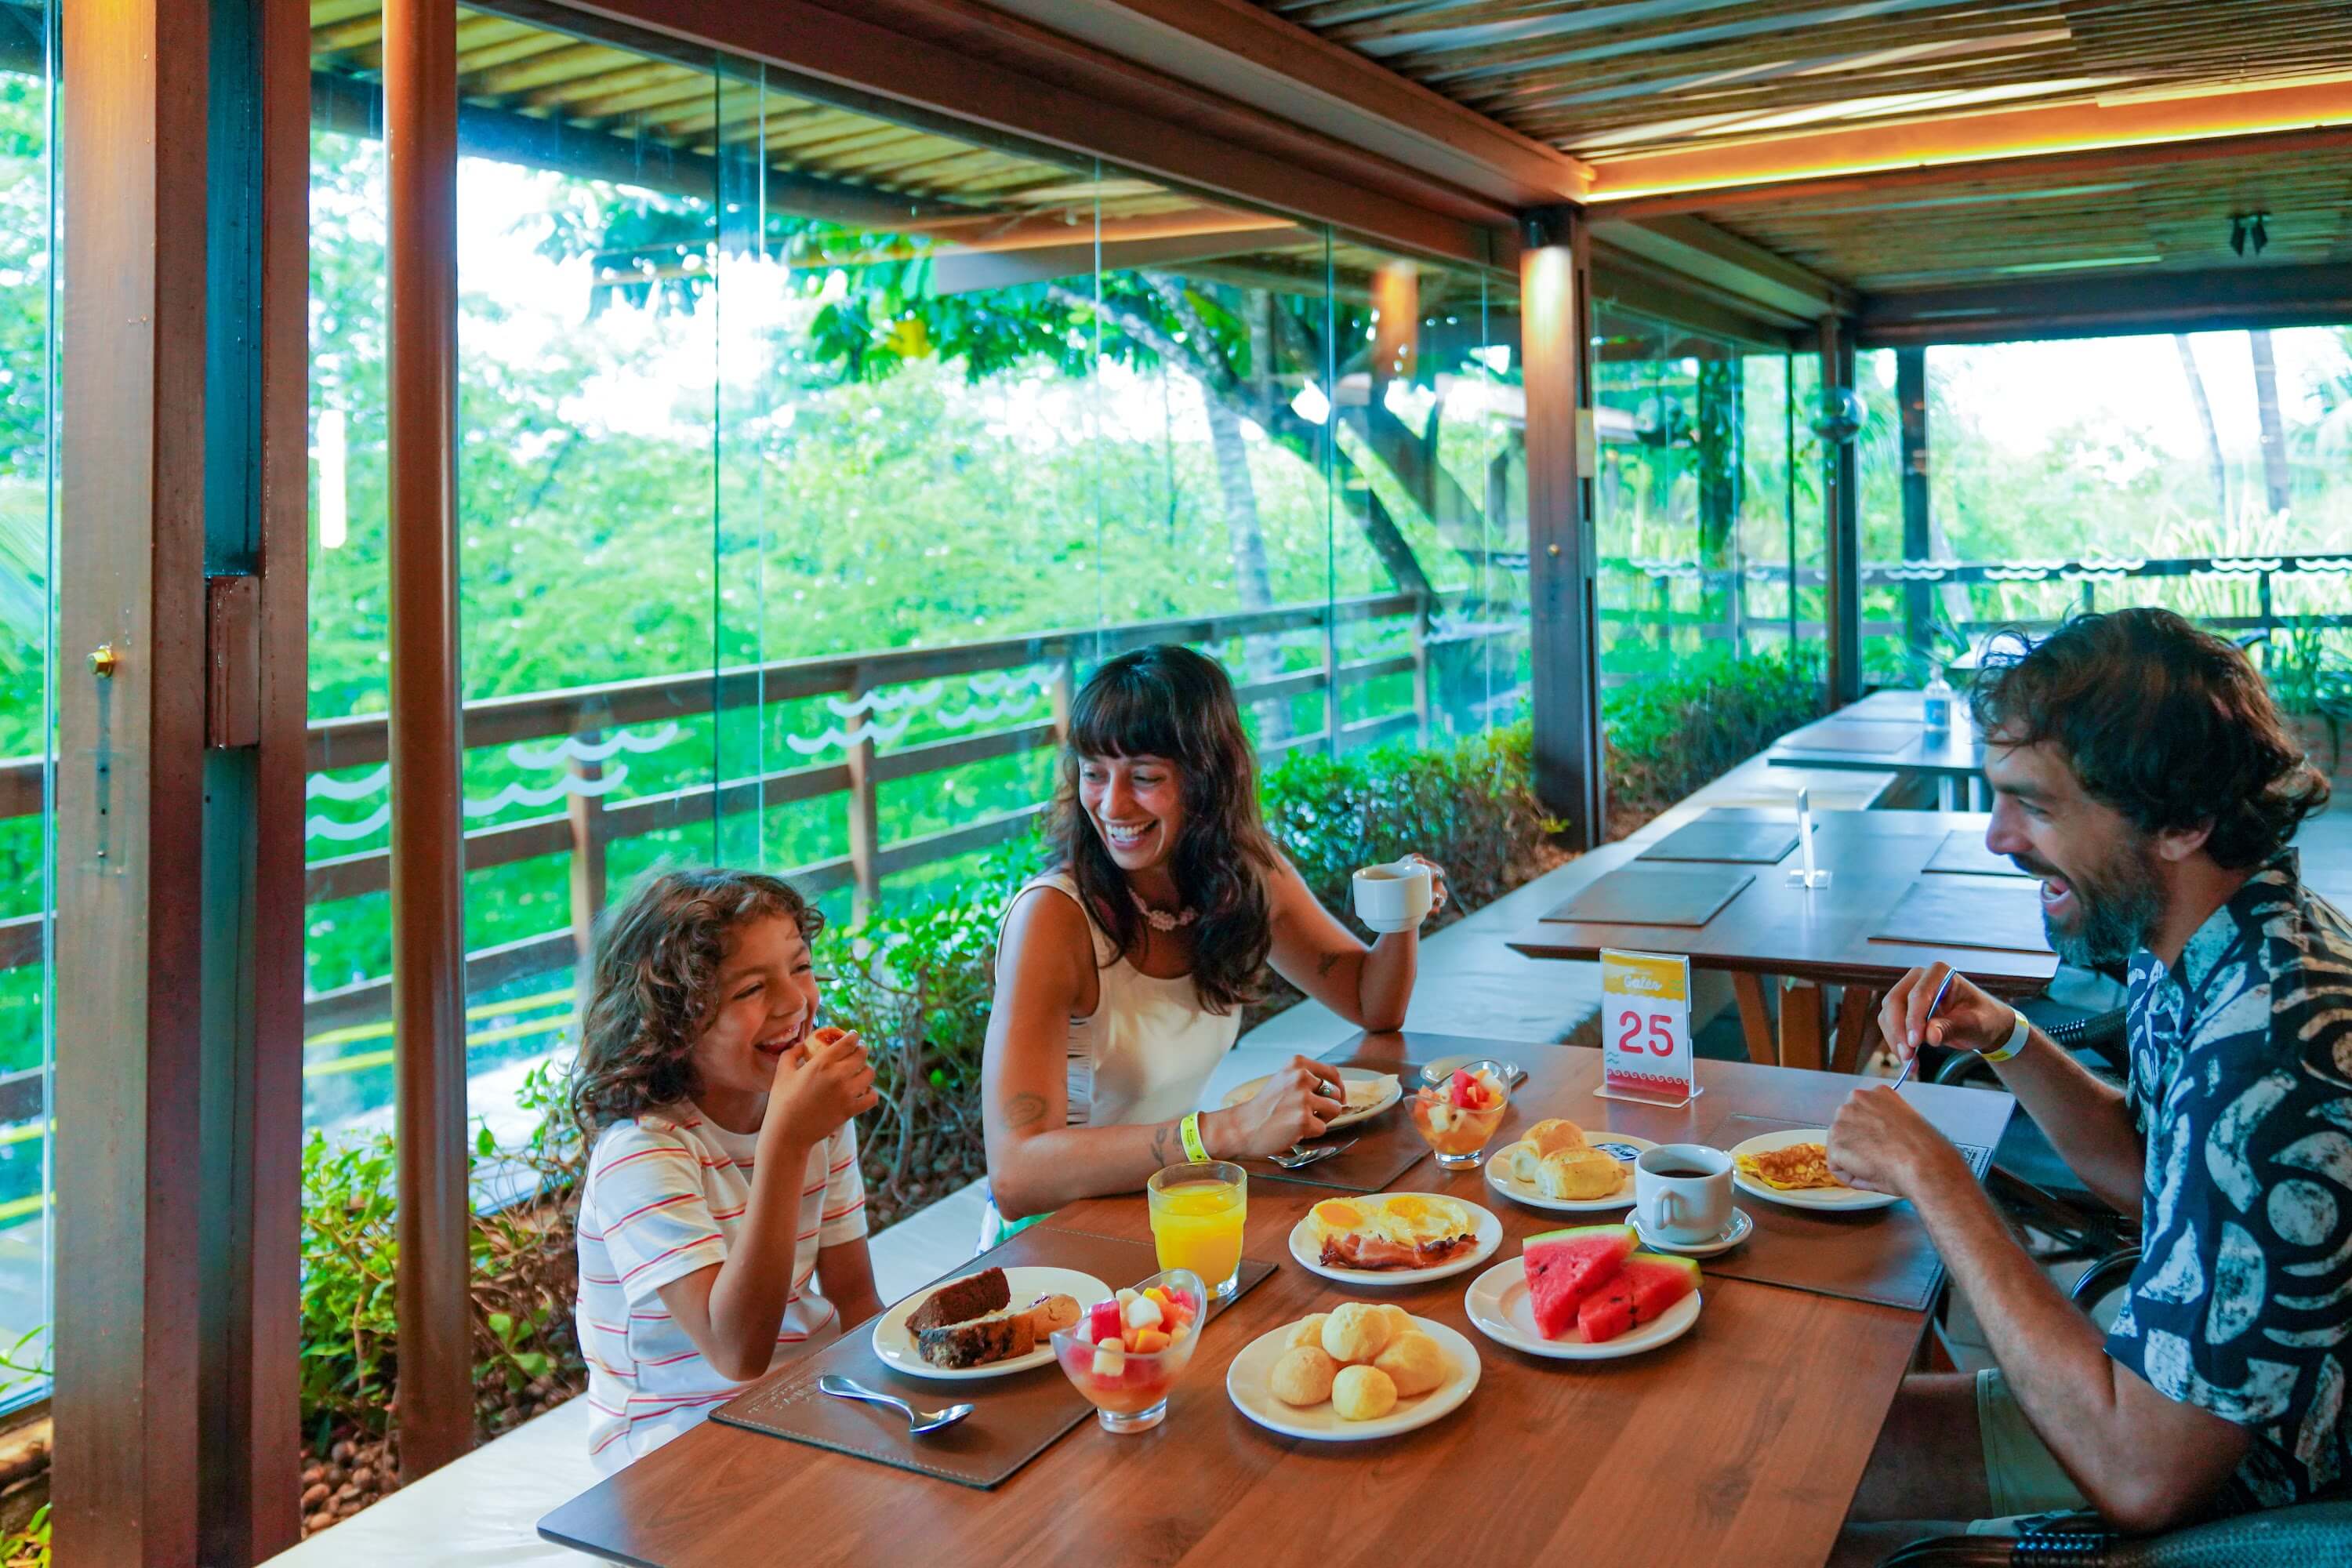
pixel 2163 721
pixel 656 986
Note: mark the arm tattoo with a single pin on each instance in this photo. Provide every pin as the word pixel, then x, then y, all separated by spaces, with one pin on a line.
pixel 1160 1136
pixel 1328 961
pixel 1023 1110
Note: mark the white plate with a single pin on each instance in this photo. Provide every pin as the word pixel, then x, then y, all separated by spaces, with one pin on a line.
pixel 1729 1236
pixel 1501 1309
pixel 896 1346
pixel 1392 1091
pixel 1846 1198
pixel 1489 1233
pixel 1499 1177
pixel 1247 1385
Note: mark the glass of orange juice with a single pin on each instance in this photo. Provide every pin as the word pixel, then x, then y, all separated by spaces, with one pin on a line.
pixel 1197 1214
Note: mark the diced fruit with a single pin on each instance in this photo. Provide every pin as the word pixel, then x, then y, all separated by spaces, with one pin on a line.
pixel 1143 1312
pixel 1441 1117
pixel 1103 1321
pixel 1149 1342
pixel 1109 1361
pixel 1564 1266
pixel 1462 1085
pixel 1159 1295
pixel 1640 1292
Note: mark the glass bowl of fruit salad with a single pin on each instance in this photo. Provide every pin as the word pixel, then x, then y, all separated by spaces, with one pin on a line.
pixel 1459 1116
pixel 1126 1353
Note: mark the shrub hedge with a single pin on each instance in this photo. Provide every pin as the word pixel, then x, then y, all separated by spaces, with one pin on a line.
pixel 1669 735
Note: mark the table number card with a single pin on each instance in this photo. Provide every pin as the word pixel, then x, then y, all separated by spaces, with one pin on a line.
pixel 1645 1029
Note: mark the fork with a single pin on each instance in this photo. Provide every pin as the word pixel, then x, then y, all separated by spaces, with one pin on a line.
pixel 1299 1154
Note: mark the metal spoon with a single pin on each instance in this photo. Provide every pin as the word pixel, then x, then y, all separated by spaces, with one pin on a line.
pixel 918 1421
pixel 1294 1156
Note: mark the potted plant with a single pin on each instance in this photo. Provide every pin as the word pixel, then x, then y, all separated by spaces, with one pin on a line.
pixel 2311 677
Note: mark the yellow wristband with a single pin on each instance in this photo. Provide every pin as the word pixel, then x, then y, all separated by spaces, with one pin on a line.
pixel 2016 1041
pixel 1195 1150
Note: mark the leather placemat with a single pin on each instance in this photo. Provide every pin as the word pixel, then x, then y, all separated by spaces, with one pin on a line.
pixel 1963 851
pixel 1880 1255
pixel 1655 896
pixel 1018 1416
pixel 2004 913
pixel 1755 843
pixel 1873 737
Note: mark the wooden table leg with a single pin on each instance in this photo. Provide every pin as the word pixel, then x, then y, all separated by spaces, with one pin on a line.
pixel 1803 1042
pixel 1857 1028
pixel 1755 1018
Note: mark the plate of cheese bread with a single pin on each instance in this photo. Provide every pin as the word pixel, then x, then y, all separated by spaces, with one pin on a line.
pixel 1560 1165
pixel 1358 1371
pixel 988 1325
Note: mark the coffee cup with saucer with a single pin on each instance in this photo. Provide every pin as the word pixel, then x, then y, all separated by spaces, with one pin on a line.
pixel 1731 1236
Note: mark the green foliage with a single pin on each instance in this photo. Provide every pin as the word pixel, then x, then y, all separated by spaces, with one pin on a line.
pixel 1670 735
pixel 28 1547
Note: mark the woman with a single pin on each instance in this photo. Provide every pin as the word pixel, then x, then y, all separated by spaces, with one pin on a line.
pixel 1120 974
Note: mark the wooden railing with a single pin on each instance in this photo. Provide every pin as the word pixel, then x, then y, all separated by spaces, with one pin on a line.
pixel 590 823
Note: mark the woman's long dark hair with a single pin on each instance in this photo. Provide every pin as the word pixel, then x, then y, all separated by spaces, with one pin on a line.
pixel 1168 702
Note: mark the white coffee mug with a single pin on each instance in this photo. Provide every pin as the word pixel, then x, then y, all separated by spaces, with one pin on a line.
pixel 1682 1191
pixel 1395 897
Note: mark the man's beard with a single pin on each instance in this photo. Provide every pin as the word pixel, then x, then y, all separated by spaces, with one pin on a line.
pixel 2120 904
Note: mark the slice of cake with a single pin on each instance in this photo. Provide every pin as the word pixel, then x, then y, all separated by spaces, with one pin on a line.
pixel 961 1301
pixel 978 1343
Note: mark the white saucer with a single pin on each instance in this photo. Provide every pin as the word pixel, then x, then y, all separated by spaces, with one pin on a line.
pixel 1311 1256
pixel 1501 1309
pixel 898 1350
pixel 1833 1198
pixel 1247 1385
pixel 1724 1240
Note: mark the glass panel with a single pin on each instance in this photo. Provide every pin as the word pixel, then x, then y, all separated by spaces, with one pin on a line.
pixel 28 673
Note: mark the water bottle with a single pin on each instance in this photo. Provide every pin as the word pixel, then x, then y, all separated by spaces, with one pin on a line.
pixel 1936 708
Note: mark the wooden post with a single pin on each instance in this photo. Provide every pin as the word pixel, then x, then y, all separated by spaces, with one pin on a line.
pixel 428 910
pixel 1556 315
pixel 1843 517
pixel 585 809
pixel 1911 401
pixel 1421 671
pixel 1064 692
pixel 865 832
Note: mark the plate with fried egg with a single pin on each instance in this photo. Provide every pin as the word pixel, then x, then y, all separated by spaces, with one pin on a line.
pixel 1394 1238
pixel 1799 1176
pixel 1559 1166
pixel 1368 1094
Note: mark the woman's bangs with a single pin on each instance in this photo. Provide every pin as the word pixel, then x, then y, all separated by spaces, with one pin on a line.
pixel 1127 716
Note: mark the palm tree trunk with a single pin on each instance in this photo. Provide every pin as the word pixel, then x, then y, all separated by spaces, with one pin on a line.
pixel 2277 484
pixel 1261 658
pixel 2213 431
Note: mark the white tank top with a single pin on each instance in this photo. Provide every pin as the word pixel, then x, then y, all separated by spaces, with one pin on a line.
pixel 1147 1048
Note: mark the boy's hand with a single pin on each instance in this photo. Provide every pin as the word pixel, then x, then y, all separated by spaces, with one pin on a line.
pixel 820 1084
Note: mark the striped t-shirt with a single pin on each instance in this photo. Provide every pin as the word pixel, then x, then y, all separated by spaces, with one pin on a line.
pixel 665 1196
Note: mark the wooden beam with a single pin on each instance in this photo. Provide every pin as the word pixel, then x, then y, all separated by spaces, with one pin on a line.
pixel 1555 349
pixel 999 73
pixel 428 909
pixel 2050 167
pixel 2227 299
pixel 135 145
pixel 1246 53
pixel 1841 507
pixel 1764 282
pixel 1621 280
pixel 1974 137
pixel 1911 407
pixel 963 272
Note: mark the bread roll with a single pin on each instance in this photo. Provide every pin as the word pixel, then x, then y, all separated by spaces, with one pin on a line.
pixel 1362 1394
pixel 1400 1321
pixel 1579 1174
pixel 1355 1331
pixel 1414 1362
pixel 1303 1375
pixel 1555 1136
pixel 1308 1331
pixel 1521 1160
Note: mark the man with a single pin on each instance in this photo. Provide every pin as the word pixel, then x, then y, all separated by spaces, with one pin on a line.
pixel 2140 770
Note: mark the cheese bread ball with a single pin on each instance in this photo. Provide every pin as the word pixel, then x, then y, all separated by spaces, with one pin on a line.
pixel 1400 1321
pixel 1308 1331
pixel 1555 1136
pixel 1413 1362
pixel 1362 1394
pixel 1303 1375
pixel 1579 1174
pixel 1355 1331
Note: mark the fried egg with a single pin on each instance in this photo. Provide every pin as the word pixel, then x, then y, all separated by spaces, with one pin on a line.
pixel 1337 1217
pixel 1412 1218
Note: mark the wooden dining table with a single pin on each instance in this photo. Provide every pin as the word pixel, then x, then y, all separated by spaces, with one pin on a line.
pixel 1833 935
pixel 1741 1442
pixel 1883 733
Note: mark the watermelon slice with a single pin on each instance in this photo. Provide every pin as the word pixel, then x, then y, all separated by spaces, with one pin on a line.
pixel 1564 1266
pixel 1640 1292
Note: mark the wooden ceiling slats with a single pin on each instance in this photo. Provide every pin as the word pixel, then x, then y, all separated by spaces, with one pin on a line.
pixel 684 87
pixel 541 67
pixel 630 77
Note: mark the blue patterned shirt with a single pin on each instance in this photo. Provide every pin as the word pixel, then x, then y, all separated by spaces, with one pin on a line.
pixel 2242 1085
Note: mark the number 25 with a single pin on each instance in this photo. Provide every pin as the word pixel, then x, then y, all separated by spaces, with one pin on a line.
pixel 1662 1042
